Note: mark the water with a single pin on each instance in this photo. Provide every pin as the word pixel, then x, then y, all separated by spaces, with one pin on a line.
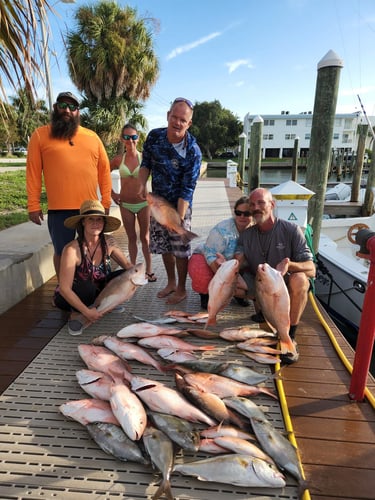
pixel 274 176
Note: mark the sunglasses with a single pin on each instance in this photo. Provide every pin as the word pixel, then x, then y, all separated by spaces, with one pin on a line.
pixel 246 213
pixel 186 101
pixel 64 105
pixel 127 137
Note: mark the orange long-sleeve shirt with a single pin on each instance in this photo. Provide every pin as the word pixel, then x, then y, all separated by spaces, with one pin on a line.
pixel 72 171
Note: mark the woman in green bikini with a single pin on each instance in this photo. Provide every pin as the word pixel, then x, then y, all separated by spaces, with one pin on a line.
pixel 133 207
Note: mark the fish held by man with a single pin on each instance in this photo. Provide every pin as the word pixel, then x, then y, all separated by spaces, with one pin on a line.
pixel 273 298
pixel 221 289
pixel 168 217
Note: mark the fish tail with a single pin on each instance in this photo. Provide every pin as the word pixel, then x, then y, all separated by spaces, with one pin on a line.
pixel 210 322
pixel 164 489
pixel 207 348
pixel 287 346
pixel 265 390
pixel 188 236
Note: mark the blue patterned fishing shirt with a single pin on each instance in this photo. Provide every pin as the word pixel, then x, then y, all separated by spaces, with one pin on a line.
pixel 172 176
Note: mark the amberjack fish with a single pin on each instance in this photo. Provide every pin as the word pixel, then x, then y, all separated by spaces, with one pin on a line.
pixel 237 469
pixel 168 216
pixel 113 440
pixel 161 451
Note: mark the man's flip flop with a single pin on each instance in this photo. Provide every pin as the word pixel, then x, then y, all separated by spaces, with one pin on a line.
pixel 151 277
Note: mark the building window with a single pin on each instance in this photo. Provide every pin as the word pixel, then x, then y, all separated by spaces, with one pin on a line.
pixel 269 123
pixel 336 136
pixel 307 137
pixel 291 123
pixel 267 137
pixel 288 137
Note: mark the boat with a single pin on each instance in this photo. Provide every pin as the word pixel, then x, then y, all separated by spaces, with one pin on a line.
pixel 341 279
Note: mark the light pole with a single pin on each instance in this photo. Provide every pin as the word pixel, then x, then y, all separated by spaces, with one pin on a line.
pixel 45 52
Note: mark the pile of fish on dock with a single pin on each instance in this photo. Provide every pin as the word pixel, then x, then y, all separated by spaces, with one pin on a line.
pixel 203 409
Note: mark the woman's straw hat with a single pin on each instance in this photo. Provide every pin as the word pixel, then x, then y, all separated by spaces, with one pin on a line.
pixel 91 208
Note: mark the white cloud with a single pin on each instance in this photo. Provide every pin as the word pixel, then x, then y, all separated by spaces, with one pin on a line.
pixel 233 65
pixel 190 46
pixel 239 84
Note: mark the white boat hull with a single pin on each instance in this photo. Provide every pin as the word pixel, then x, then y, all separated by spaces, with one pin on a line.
pixel 342 278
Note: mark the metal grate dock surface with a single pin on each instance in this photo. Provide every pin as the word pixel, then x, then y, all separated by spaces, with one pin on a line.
pixel 45 455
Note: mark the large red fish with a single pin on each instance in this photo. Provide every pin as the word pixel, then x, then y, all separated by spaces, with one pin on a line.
pixel 168 216
pixel 273 298
pixel 221 289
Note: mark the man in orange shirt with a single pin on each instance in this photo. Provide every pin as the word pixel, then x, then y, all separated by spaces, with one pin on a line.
pixel 73 163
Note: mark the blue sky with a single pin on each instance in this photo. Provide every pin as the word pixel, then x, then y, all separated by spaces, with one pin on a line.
pixel 254 56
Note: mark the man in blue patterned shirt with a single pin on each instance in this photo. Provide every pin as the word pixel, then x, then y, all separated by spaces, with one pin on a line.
pixel 173 158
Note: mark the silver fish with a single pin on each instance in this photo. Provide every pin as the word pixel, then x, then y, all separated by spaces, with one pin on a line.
pixel 113 440
pixel 278 447
pixel 161 452
pixel 177 429
pixel 243 333
pixel 240 470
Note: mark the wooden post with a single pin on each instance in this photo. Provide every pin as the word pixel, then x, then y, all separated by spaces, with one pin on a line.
pixel 255 157
pixel 295 160
pixel 368 204
pixel 326 93
pixel 241 158
pixel 357 174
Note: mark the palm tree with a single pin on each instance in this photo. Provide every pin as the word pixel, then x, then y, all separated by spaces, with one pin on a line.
pixel 112 62
pixel 20 54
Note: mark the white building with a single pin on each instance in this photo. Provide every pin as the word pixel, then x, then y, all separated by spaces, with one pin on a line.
pixel 280 132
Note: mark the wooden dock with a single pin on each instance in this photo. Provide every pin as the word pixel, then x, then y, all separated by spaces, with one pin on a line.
pixel 335 436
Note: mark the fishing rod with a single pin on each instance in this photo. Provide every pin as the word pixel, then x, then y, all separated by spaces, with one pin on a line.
pixel 367 119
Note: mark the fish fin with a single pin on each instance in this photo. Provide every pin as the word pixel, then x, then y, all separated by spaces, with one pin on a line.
pixel 188 236
pixel 287 346
pixel 265 390
pixel 164 489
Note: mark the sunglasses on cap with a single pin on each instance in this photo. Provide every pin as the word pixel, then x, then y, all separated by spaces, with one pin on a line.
pixel 127 137
pixel 186 101
pixel 64 105
pixel 246 213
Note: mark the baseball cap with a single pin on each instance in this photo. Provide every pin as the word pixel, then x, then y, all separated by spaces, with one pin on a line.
pixel 67 95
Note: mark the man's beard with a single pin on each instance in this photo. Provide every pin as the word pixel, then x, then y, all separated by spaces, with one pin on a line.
pixel 61 128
